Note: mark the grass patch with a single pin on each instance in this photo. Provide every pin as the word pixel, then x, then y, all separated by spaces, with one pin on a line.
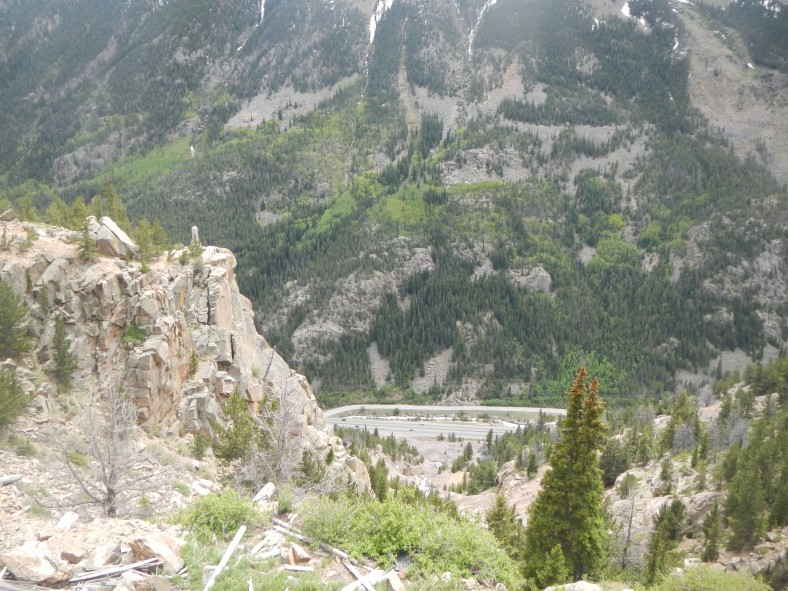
pixel 134 335
pixel 155 163
pixel 180 487
pixel 702 578
pixel 22 447
pixel 78 459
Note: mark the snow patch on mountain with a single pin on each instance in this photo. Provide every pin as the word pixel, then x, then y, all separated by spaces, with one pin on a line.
pixel 472 36
pixel 381 8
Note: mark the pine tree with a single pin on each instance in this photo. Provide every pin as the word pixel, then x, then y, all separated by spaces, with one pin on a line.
pixel 745 509
pixel 87 246
pixel 379 479
pixel 78 213
pixel 712 529
pixel 13 400
pixel 668 524
pixel 503 523
pixel 532 466
pixel 568 510
pixel 65 361
pixel 13 332
pixel 554 570
pixel 144 237
pixel 115 208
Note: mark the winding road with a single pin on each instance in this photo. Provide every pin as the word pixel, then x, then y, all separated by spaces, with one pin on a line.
pixel 445 422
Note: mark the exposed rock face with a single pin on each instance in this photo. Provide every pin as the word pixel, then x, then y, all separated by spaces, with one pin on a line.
pixel 355 298
pixel 178 338
pixel 535 280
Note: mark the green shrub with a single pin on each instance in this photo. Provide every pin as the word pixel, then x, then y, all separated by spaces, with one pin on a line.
pixel 77 459
pixel 437 539
pixel 180 487
pixel 134 335
pixel 221 515
pixel 705 578
pixel 285 501
pixel 22 447
pixel 626 485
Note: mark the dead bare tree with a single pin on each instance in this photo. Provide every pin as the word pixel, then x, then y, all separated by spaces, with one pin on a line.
pixel 274 455
pixel 112 475
pixel 277 452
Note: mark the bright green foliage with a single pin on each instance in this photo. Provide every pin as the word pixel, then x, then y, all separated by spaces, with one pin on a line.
pixel 757 473
pixel 712 530
pixel 232 440
pixel 614 461
pixel 114 207
pixel 704 578
pixel 151 240
pixel 65 360
pixel 568 510
pixel 87 246
pixel 668 524
pixel 144 238
pixel 554 570
pixel 13 332
pixel 532 467
pixel 311 470
pixel 684 412
pixel 58 213
pixel 379 478
pixel 745 508
pixel 504 525
pixel 78 213
pixel 363 442
pixel 13 400
pixel 219 514
pixel 768 378
pixel 134 335
pixel 433 533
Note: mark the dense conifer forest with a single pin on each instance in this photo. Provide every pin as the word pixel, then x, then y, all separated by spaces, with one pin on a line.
pixel 651 260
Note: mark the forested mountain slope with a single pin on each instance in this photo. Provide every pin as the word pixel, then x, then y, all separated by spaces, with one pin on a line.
pixel 449 197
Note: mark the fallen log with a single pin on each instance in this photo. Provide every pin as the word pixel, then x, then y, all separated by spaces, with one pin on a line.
pixel 105 573
pixel 356 573
pixel 373 578
pixel 226 558
pixel 284 528
pixel 299 569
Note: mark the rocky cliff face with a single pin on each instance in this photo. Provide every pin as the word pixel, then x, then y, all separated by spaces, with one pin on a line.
pixel 179 338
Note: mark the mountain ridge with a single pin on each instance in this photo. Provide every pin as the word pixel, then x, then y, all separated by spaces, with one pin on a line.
pixel 572 140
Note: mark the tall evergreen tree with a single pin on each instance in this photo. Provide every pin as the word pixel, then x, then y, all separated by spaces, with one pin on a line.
pixel 503 523
pixel 712 530
pixel 65 361
pixel 568 510
pixel 13 332
pixel 13 400
pixel 87 245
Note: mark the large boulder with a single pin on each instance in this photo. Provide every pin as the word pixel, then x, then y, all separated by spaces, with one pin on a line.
pixel 33 562
pixel 160 545
pixel 112 241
